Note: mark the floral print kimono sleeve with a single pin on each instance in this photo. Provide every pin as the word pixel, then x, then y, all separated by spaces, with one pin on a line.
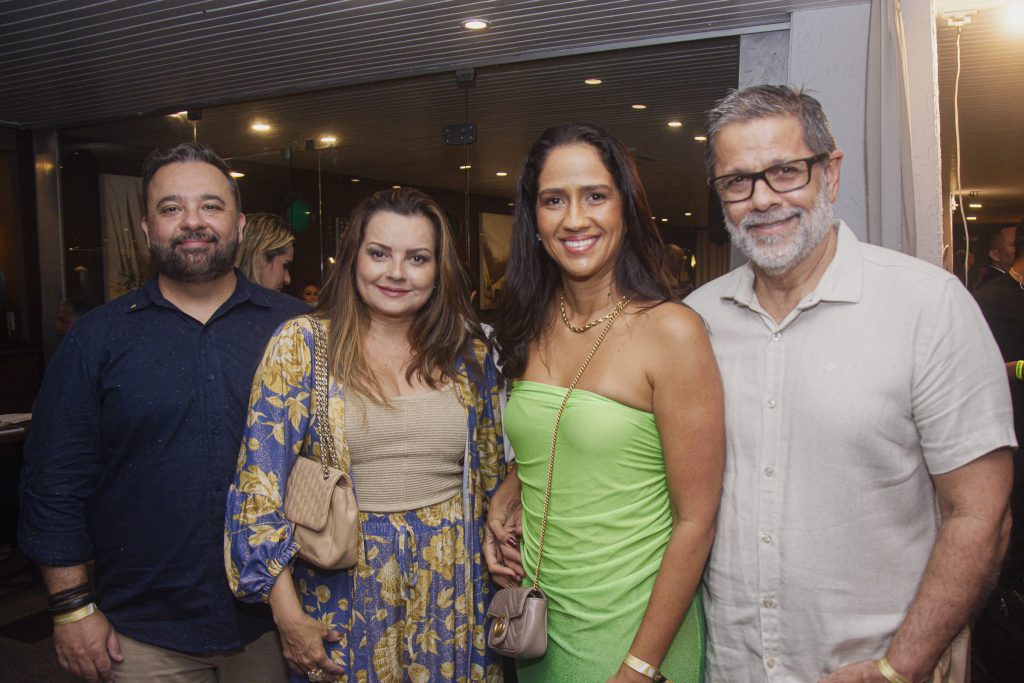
pixel 258 540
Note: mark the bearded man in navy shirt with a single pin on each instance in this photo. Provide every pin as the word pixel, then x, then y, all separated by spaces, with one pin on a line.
pixel 134 440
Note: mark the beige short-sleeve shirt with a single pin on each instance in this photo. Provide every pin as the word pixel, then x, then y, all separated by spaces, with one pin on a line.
pixel 836 419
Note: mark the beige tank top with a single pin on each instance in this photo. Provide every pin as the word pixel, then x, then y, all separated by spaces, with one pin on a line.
pixel 407 455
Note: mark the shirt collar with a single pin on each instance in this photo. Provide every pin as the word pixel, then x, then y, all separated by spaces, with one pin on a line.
pixel 842 280
pixel 245 290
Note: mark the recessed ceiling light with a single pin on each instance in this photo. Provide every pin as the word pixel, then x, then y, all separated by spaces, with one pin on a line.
pixel 688 214
pixel 465 167
pixel 972 218
pixel 236 174
pixel 974 206
pixel 261 127
pixel 511 204
pixel 593 81
pixel 501 174
pixel 328 139
pixel 355 180
pixel 675 124
pixel 664 220
pixel 396 187
pixel 700 138
pixel 638 106
pixel 654 218
pixel 475 24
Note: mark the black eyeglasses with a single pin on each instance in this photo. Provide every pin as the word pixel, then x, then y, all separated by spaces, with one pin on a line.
pixel 785 177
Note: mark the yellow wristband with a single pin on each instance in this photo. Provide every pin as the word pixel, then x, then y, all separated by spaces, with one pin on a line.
pixel 1019 371
pixel 885 668
pixel 641 667
pixel 73 616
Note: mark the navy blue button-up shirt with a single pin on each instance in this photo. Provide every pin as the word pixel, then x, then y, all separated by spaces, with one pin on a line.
pixel 134 440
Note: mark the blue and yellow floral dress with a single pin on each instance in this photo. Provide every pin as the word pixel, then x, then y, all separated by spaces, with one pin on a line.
pixel 412 609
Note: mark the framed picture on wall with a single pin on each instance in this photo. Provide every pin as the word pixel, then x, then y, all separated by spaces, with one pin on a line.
pixel 495 243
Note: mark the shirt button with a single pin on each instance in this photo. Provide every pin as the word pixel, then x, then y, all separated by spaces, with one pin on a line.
pixel 766 538
pixel 770 403
pixel 769 472
pixel 776 336
pixel 768 603
pixel 210 377
pixel 770 663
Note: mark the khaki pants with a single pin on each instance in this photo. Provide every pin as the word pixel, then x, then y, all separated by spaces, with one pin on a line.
pixel 258 662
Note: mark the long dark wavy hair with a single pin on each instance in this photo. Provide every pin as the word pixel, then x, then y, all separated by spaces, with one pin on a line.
pixel 532 277
pixel 442 330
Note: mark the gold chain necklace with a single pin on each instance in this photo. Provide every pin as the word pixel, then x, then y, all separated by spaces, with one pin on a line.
pixel 1016 276
pixel 623 302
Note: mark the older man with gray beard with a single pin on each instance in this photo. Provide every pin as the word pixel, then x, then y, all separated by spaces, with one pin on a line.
pixel 868 427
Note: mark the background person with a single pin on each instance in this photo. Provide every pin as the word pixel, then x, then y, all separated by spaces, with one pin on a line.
pixel 637 474
pixel 267 251
pixel 69 311
pixel 414 396
pixel 311 293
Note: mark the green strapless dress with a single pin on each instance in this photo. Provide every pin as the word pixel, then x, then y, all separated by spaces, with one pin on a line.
pixel 608 524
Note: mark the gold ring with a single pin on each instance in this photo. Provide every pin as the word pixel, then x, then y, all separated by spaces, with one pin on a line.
pixel 315 674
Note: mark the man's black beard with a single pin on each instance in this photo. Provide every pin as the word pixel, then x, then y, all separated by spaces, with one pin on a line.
pixel 195 268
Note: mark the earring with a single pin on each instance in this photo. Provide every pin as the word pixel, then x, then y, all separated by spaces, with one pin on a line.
pixel 538 236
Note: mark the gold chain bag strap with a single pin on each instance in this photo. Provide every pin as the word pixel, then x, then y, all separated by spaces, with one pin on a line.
pixel 519 614
pixel 319 499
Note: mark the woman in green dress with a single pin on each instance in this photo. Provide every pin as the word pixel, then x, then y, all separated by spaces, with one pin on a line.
pixel 638 468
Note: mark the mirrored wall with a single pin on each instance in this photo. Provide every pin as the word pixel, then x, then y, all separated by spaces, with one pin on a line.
pixel 312 156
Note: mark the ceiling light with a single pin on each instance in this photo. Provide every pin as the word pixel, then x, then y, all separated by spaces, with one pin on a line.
pixel 593 81
pixel 638 106
pixel 972 218
pixel 664 220
pixel 511 204
pixel 330 259
pixel 328 139
pixel 675 124
pixel 465 167
pixel 475 24
pixel 355 180
pixel 396 187
pixel 974 206
pixel 261 127
pixel 501 174
pixel 688 214
pixel 236 174
pixel 699 138
pixel 1013 17
pixel 179 114
pixel 693 261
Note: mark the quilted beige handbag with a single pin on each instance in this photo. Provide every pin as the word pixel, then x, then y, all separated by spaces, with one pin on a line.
pixel 318 498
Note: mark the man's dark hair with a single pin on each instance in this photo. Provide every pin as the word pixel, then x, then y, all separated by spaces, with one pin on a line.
pixel 1018 238
pixel 79 305
pixel 186 152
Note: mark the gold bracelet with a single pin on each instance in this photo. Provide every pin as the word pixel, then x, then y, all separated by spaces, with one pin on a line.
pixel 641 667
pixel 76 615
pixel 885 668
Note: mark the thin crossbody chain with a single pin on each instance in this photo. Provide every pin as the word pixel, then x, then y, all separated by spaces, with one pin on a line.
pixel 321 379
pixel 554 438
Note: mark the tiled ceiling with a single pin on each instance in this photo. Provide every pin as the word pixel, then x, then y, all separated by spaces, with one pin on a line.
pixel 384 76
pixel 69 61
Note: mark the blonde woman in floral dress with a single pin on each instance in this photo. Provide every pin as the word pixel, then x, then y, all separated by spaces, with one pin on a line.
pixel 413 399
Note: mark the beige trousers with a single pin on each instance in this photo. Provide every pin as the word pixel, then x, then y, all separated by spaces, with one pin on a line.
pixel 258 662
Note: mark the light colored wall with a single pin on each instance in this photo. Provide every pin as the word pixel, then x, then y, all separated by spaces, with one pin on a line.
pixel 828 54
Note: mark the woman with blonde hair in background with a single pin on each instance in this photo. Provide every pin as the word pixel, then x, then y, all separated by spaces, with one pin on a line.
pixel 413 400
pixel 267 249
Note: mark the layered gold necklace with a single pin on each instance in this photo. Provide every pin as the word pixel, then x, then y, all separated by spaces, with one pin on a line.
pixel 623 302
